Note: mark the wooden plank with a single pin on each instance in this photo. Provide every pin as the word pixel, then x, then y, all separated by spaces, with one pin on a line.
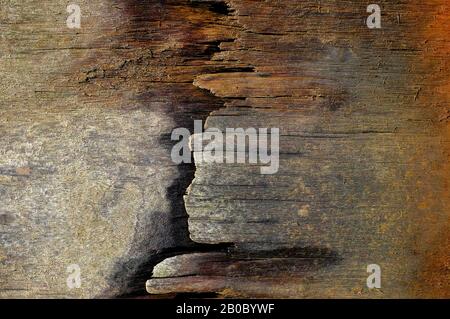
pixel 86 175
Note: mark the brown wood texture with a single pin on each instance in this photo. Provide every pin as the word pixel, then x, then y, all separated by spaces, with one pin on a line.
pixel 86 175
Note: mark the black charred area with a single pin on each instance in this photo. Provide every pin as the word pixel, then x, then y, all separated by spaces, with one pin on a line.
pixel 184 103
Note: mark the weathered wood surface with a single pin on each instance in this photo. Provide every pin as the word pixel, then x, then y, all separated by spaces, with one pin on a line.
pixel 85 119
pixel 364 175
pixel 86 176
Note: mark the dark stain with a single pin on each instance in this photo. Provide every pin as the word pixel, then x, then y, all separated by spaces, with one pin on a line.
pixel 6 218
pixel 184 103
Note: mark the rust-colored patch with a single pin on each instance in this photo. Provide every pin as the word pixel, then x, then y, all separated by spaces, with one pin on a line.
pixel 23 171
pixel 434 265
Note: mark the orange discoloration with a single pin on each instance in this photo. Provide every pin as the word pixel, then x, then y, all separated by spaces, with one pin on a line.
pixel 23 171
pixel 433 243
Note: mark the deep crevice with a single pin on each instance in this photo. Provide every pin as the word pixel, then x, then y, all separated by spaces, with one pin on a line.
pixel 246 69
pixel 219 7
pixel 145 270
